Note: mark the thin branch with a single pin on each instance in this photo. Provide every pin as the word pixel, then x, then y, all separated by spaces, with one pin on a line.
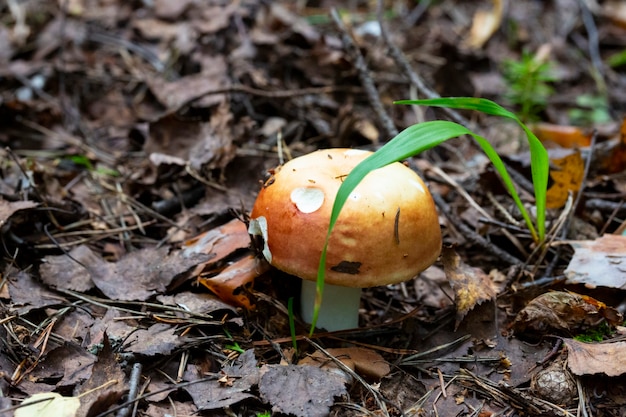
pixel 364 76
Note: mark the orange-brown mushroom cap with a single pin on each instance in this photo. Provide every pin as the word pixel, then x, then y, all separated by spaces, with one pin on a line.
pixel 388 230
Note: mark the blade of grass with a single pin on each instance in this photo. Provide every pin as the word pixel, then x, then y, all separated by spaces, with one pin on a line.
pixel 539 161
pixel 409 142
pixel 420 137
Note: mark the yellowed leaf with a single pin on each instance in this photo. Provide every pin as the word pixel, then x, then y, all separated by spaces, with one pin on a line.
pixel 484 25
pixel 567 176
pixel 564 136
pixel 48 404
pixel 471 285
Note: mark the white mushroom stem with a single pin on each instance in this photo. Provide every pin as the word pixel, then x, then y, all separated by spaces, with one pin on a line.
pixel 340 306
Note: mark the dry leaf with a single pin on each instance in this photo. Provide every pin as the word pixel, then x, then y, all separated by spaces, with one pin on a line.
pixel 218 242
pixel 303 391
pixel 471 285
pixel 141 274
pixel 616 160
pixel 563 312
pixel 212 394
pixel 484 25
pixel 7 208
pixel 28 293
pixel 599 262
pixel 48 404
pixel 564 136
pixel 106 385
pixel 321 361
pixel 69 272
pixel 596 358
pixel 158 339
pixel 567 176
pixel 366 362
pixel 228 284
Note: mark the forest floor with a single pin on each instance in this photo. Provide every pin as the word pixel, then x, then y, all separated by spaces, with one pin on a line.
pixel 135 138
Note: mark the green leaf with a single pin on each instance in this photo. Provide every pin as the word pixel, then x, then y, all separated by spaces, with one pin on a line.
pixel 539 161
pixel 411 141
pixel 423 136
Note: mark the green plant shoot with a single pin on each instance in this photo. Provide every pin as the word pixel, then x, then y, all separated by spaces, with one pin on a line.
pixel 423 136
pixel 528 84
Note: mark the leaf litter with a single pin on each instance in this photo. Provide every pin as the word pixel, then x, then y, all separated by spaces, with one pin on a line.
pixel 137 135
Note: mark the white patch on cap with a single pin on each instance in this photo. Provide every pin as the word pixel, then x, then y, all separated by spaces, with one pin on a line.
pixel 354 152
pixel 417 185
pixel 258 227
pixel 307 199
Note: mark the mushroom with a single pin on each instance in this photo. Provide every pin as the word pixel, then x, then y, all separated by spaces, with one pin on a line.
pixel 387 232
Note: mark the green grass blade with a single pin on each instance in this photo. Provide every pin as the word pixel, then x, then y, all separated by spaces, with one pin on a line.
pixel 508 182
pixel 423 136
pixel 411 141
pixel 538 154
pixel 465 103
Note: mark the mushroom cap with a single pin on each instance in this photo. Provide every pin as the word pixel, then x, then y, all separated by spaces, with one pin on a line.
pixel 387 232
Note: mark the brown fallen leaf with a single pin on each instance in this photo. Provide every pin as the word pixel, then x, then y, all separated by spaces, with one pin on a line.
pixel 567 175
pixel 143 273
pixel 229 283
pixel 599 262
pixel 218 242
pixel 563 312
pixel 471 285
pixel 27 293
pixel 484 25
pixel 106 385
pixel 564 136
pixel 614 159
pixel 211 394
pixel 321 361
pixel 198 303
pixel 303 391
pixel 174 94
pixel 596 358
pixel 69 362
pixel 205 145
pixel 226 282
pixel 71 272
pixel 158 339
pixel 365 362
pixel 7 208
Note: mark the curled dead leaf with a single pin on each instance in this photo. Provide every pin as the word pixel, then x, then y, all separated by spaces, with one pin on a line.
pixel 226 282
pixel 471 285
pixel 563 312
pixel 230 282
